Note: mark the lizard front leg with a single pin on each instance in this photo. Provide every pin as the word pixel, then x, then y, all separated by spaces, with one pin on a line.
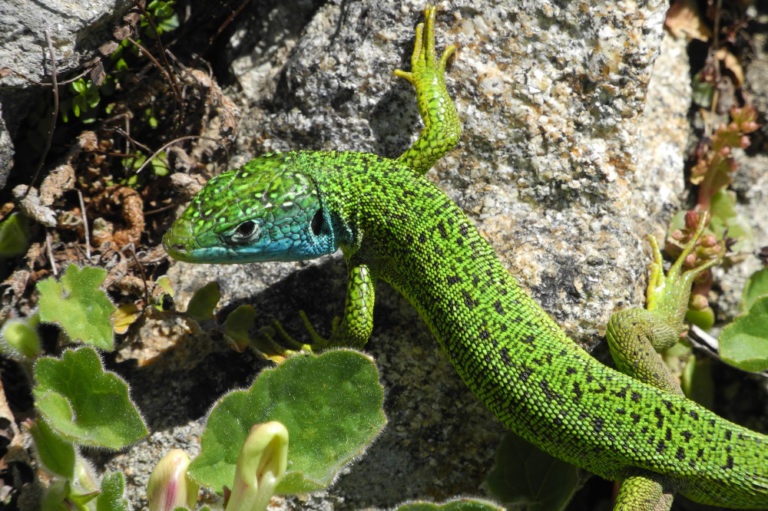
pixel 354 328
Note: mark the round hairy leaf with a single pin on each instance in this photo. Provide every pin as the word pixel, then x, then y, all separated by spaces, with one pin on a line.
pixel 330 404
pixel 84 403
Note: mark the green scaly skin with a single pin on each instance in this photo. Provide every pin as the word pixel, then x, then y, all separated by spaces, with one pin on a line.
pixel 393 224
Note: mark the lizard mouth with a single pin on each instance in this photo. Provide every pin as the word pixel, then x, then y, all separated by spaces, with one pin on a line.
pixel 179 241
pixel 184 244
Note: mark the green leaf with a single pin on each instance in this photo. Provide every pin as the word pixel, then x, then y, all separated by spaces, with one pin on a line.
pixel 159 166
pixel 112 490
pixel 203 302
pixel 92 98
pixel 78 500
pixel 163 300
pixel 524 474
pixel 56 454
pixel 744 343
pixel 239 323
pixel 79 86
pixel 66 105
pixel 696 381
pixel 463 504
pixel 84 403
pixel 164 9
pixel 57 496
pixel 170 23
pixel 330 404
pixel 14 235
pixel 164 282
pixel 726 221
pixel 756 288
pixel 703 91
pixel 79 306
pixel 78 103
pixel 20 339
pixel 134 162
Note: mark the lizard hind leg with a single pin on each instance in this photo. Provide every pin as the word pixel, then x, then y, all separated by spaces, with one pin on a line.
pixel 635 336
pixel 640 493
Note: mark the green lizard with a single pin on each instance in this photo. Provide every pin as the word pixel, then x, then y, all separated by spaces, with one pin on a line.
pixel 393 224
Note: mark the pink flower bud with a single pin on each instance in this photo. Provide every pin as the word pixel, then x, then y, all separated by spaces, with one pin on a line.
pixel 169 486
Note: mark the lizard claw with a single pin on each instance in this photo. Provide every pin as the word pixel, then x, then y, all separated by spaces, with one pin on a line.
pixel 423 59
pixel 273 350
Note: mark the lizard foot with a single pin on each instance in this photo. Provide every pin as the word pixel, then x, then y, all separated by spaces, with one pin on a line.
pixel 424 65
pixel 669 293
pixel 268 345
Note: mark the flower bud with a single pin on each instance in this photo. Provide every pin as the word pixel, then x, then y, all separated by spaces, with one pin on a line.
pixel 169 486
pixel 699 302
pixel 692 219
pixel 261 464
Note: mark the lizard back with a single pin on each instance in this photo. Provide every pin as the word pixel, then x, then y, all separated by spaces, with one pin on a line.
pixel 515 358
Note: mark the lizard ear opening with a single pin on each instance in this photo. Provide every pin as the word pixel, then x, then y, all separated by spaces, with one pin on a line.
pixel 317 222
pixel 329 231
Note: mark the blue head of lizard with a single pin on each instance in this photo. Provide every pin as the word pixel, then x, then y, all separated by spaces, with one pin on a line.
pixel 265 211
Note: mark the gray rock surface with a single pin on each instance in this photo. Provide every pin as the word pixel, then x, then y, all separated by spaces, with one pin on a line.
pixel 76 29
pixel 6 151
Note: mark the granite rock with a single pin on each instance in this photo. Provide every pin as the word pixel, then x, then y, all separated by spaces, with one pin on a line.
pixel 75 29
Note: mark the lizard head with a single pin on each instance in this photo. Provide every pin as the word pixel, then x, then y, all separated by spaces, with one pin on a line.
pixel 266 210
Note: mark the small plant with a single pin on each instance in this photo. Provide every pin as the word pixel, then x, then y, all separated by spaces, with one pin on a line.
pixel 714 158
pixel 245 455
pixel 81 404
pixel 84 96
pixel 163 18
pixel 137 160
pixel 82 102
pixel 712 172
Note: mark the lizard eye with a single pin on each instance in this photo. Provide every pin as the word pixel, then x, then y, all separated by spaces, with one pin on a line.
pixel 245 231
pixel 317 222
